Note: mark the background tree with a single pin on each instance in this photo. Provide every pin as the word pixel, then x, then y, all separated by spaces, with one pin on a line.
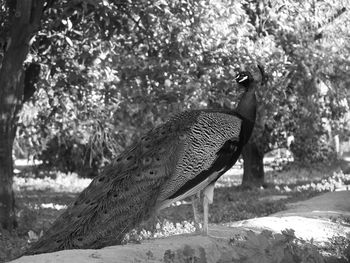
pixel 292 104
pixel 19 21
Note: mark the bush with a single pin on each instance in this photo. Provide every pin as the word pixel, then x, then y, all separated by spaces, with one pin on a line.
pixel 69 155
pixel 310 149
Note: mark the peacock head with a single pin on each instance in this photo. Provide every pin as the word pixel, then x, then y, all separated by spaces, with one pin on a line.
pixel 245 79
pixel 249 79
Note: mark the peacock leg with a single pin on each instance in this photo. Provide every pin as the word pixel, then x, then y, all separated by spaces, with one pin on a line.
pixel 195 199
pixel 207 199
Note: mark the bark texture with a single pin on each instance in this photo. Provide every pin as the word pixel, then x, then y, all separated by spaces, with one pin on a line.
pixel 253 175
pixel 24 23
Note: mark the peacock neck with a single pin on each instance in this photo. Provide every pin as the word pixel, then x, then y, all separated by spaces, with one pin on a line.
pixel 246 107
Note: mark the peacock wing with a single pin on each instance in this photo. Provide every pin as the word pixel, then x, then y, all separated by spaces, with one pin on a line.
pixel 197 149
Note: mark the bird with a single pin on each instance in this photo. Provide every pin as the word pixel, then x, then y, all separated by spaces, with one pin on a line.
pixel 184 155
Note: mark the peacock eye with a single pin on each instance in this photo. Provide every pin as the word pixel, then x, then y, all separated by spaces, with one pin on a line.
pixel 147 160
pixel 182 136
pixel 145 139
pixel 161 150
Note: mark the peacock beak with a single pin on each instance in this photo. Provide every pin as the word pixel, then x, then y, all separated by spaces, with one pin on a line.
pixel 240 79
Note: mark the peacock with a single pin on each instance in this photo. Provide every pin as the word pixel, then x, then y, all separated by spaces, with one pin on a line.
pixel 185 155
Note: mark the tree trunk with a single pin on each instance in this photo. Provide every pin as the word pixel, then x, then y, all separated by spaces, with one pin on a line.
pixel 25 22
pixel 7 201
pixel 253 175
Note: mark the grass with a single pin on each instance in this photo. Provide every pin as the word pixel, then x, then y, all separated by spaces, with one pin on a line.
pixel 39 201
pixel 233 203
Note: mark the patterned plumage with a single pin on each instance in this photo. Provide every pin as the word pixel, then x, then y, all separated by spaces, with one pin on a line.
pixel 186 154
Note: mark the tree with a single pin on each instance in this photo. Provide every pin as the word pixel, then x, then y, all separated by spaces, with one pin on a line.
pixel 22 22
pixel 301 39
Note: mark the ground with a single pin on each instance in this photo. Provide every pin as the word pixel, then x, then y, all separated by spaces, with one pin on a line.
pixel 314 230
pixel 41 200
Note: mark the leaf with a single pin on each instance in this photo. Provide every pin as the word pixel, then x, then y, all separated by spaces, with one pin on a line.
pixel 69 41
pixel 69 24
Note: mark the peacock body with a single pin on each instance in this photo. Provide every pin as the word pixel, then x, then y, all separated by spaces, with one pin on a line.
pixel 175 160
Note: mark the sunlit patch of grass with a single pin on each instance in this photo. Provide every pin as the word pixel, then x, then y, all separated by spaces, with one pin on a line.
pixel 232 177
pixel 60 183
pixel 163 228
pixel 236 203
pixel 295 174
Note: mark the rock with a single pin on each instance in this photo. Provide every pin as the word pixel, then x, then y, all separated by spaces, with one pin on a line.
pixel 316 218
pixel 319 230
pixel 181 248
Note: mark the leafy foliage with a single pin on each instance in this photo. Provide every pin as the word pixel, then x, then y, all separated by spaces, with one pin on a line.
pixel 113 70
